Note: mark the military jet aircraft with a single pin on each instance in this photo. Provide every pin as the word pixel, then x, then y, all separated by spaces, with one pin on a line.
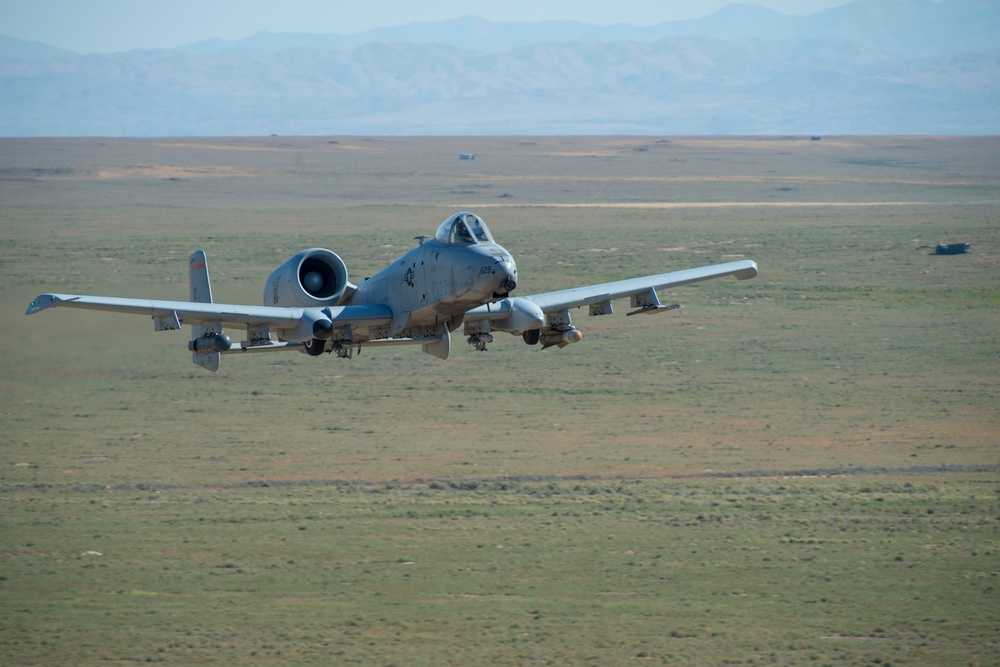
pixel 460 277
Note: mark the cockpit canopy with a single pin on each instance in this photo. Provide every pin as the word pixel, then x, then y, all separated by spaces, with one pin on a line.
pixel 464 229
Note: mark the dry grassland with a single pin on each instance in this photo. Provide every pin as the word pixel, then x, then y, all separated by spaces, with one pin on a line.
pixel 836 413
pixel 854 347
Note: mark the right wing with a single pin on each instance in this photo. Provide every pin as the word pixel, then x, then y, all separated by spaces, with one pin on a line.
pixel 313 327
pixel 301 325
pixel 310 329
pixel 189 312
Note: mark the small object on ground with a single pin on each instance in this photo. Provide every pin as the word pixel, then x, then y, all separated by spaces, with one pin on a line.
pixel 952 248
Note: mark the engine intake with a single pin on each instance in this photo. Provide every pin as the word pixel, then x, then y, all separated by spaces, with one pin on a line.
pixel 311 278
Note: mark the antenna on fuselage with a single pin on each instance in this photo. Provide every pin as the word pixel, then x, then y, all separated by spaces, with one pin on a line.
pixel 420 239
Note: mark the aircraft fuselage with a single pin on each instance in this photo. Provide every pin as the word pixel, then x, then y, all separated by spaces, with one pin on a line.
pixel 437 282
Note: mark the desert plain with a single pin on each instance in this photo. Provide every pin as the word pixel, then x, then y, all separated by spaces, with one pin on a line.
pixel 801 469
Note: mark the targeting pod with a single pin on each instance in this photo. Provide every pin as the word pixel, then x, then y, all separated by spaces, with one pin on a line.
pixel 560 338
pixel 209 344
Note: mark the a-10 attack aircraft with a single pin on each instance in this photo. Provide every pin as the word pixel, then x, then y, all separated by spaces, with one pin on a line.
pixel 461 276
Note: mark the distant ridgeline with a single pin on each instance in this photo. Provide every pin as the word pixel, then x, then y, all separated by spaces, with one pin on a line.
pixel 908 67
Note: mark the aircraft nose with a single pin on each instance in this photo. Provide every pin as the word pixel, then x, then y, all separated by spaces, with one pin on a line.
pixel 507 271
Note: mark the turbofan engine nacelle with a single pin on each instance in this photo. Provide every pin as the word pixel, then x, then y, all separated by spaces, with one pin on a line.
pixel 312 278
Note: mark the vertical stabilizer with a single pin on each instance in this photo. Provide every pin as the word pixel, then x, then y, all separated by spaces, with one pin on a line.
pixel 201 286
pixel 201 292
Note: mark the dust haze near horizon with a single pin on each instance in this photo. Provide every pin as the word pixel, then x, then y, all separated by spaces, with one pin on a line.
pixel 107 26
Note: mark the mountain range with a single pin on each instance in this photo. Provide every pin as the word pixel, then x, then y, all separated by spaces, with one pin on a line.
pixel 870 67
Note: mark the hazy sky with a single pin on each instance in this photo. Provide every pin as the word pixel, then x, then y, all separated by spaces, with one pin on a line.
pixel 118 25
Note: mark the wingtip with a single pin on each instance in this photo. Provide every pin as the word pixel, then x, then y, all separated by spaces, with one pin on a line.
pixel 748 273
pixel 41 302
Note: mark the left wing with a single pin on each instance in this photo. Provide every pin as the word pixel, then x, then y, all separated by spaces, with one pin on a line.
pixel 639 288
pixel 548 312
